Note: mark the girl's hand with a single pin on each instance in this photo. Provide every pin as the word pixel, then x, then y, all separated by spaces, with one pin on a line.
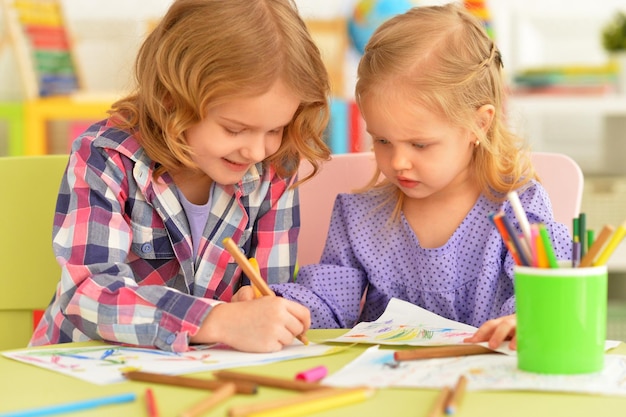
pixel 496 331
pixel 245 293
pixel 265 324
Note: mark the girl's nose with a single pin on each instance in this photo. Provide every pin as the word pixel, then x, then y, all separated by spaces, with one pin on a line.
pixel 399 161
pixel 255 148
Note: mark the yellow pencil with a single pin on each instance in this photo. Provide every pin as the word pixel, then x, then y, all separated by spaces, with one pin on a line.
pixel 255 265
pixel 596 247
pixel 303 404
pixel 252 273
pixel 617 237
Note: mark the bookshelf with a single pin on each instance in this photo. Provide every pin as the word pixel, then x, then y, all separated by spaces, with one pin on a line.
pixel 589 128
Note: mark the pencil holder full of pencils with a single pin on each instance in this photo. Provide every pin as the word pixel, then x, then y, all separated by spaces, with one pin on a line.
pixel 561 318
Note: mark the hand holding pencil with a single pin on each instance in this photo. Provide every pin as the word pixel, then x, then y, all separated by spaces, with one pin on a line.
pixel 253 274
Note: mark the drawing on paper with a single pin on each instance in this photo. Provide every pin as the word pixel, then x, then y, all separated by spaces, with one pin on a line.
pixel 105 364
pixel 407 324
pixel 377 368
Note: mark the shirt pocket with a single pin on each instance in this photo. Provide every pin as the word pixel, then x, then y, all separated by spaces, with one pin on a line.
pixel 151 242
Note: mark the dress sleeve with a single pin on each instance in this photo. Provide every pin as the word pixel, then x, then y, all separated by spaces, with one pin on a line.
pixel 332 289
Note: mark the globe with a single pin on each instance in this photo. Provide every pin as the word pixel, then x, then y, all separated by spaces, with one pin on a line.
pixel 368 15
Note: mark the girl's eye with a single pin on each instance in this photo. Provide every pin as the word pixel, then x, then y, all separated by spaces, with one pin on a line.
pixel 232 132
pixel 419 145
pixel 276 131
pixel 381 141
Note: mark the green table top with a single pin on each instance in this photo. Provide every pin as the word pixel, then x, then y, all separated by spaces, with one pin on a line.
pixel 24 386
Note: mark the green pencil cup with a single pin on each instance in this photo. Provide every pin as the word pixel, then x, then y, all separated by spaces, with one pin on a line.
pixel 561 319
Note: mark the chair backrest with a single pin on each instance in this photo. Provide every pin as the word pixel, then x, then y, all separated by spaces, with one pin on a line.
pixel 563 179
pixel 28 270
pixel 560 175
pixel 342 174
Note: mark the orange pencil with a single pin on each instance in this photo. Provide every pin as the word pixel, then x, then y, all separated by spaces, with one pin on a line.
pixel 440 352
pixel 616 239
pixel 151 405
pixel 597 246
pixel 268 381
pixel 497 220
pixel 440 401
pixel 219 395
pixel 456 397
pixel 243 387
pixel 252 273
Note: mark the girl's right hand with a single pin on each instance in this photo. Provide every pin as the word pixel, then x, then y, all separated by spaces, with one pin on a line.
pixel 265 324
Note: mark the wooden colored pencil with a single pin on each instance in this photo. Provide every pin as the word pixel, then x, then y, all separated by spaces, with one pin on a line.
pixel 268 381
pixel 243 387
pixel 521 244
pixel 455 399
pixel 441 352
pixel 252 273
pixel 438 406
pixel 596 247
pixel 151 405
pixel 608 250
pixel 255 264
pixel 520 214
pixel 496 218
pixel 221 394
pixel 307 403
pixel 547 246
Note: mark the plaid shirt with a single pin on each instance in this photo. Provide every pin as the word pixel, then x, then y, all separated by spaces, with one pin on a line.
pixel 125 247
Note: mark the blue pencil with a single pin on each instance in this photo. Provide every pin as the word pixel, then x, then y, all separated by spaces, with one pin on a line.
pixel 517 242
pixel 74 406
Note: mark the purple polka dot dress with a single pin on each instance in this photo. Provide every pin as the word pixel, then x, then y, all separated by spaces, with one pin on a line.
pixel 469 279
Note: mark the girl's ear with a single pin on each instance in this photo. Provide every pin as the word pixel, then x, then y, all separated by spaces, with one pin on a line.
pixel 484 117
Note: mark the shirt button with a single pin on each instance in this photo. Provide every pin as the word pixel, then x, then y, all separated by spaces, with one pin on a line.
pixel 170 339
pixel 146 248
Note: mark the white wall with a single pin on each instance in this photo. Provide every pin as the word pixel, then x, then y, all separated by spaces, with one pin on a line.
pixel 529 33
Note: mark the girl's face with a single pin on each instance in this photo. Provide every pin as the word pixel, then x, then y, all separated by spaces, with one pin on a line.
pixel 417 150
pixel 240 133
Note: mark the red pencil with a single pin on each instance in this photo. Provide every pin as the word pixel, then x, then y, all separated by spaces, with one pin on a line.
pixel 497 220
pixel 151 404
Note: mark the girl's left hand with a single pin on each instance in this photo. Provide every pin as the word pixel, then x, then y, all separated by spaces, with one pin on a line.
pixel 496 331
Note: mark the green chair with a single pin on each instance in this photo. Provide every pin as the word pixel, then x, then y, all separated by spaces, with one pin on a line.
pixel 12 114
pixel 28 270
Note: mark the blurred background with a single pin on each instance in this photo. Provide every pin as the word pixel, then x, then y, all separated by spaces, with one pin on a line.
pixel 62 62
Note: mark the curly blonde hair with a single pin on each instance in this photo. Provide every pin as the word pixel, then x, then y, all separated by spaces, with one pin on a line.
pixel 207 52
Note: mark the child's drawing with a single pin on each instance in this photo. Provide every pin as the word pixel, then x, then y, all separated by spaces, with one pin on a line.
pixel 105 364
pixel 404 323
pixel 377 368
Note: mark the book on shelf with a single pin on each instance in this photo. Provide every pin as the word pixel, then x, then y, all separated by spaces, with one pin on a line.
pixel 567 80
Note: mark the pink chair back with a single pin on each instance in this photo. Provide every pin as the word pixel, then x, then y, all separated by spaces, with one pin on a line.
pixel 342 174
pixel 563 179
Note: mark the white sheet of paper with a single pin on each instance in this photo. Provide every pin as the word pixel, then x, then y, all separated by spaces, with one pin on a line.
pixel 377 368
pixel 404 323
pixel 106 364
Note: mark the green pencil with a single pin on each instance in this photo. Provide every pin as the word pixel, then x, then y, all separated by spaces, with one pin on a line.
pixel 547 244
